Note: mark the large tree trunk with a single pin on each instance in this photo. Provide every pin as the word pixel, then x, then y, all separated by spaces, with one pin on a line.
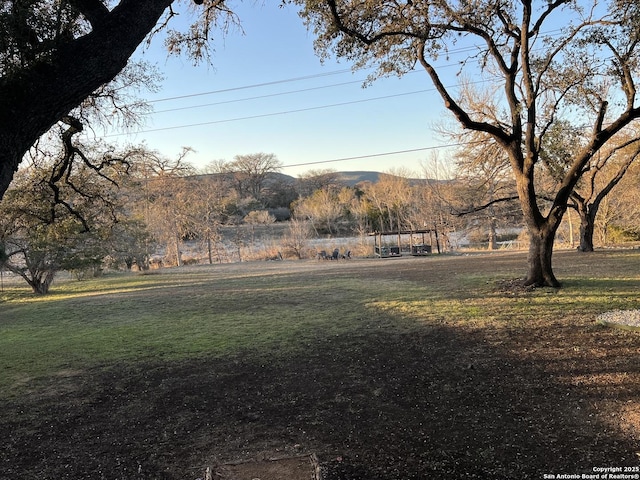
pixel 540 272
pixel 41 282
pixel 587 213
pixel 33 100
pixel 587 227
pixel 493 234
pixel 542 231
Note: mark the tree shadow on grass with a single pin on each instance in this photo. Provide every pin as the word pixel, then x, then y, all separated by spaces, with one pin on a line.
pixel 437 402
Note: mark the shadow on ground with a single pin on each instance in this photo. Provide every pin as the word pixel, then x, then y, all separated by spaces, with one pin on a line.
pixel 440 402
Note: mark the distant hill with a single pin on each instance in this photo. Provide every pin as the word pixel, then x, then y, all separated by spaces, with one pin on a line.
pixel 353 178
pixel 347 178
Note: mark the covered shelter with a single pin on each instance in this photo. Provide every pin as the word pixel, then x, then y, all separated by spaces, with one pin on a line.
pixel 396 243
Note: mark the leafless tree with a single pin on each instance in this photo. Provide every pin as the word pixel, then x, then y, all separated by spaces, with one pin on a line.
pixel 251 173
pixel 586 70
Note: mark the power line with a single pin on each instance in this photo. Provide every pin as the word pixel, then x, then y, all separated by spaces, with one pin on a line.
pixel 374 155
pixel 255 85
pixel 290 92
pixel 312 76
pixel 263 84
pixel 289 80
pixel 269 95
pixel 286 112
pixel 276 82
pixel 272 114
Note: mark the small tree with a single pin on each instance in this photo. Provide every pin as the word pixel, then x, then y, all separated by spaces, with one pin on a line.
pixel 391 197
pixel 250 173
pixel 296 239
pixel 38 244
pixel 440 194
pixel 59 213
pixel 485 195
pixel 606 172
pixel 322 209
pixel 36 262
pixel 212 201
pixel 601 175
pixel 258 217
pixel 129 243
pixel 164 197
pixel 317 180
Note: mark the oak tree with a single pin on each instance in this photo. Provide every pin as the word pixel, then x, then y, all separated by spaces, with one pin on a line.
pixel 601 176
pixel 548 60
pixel 55 53
pixel 164 198
pixel 47 226
pixel 251 174
pixel 485 197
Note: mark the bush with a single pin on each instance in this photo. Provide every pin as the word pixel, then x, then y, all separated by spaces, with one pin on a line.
pixel 619 235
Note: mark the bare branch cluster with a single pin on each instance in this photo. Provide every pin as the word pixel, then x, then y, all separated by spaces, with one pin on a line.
pixel 583 74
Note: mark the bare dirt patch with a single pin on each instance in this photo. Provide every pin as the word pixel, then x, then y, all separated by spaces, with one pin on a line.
pixel 299 467
pixel 519 401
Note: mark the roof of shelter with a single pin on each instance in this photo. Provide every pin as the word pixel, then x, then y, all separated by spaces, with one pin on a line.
pixel 401 232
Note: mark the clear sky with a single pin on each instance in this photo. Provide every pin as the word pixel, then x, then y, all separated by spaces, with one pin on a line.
pixel 268 92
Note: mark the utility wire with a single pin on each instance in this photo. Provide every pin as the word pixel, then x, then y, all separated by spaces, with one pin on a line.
pixel 286 112
pixel 310 77
pixel 374 155
pixel 263 84
pixel 269 95
pixel 272 114
pixel 275 82
pixel 290 92
pixel 255 85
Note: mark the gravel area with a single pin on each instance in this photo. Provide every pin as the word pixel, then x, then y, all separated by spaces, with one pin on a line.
pixel 630 318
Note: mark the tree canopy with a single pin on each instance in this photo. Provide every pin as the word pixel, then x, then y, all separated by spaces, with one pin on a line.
pixel 46 227
pixel 547 62
pixel 55 53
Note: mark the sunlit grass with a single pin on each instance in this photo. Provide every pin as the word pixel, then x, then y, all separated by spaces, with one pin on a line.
pixel 172 316
pixel 262 310
pixel 486 304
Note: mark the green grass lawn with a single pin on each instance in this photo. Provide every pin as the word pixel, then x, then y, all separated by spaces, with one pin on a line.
pixel 175 314
pixel 256 309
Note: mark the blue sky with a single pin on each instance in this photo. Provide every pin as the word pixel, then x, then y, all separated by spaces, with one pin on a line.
pixel 268 92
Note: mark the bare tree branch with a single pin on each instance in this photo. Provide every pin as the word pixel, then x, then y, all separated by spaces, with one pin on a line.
pixel 93 10
pixel 485 206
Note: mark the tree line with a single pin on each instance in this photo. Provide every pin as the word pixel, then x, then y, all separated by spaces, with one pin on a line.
pixel 560 106
pixel 121 209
